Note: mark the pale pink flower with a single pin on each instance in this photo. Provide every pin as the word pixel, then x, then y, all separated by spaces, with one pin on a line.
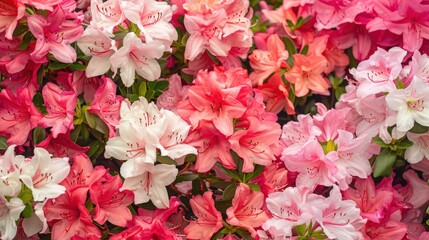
pixel 10 12
pixel 420 148
pixel 246 210
pixel 148 181
pixel 418 66
pixel 68 215
pixel 9 215
pixel 377 74
pixel 205 34
pixel 173 95
pixel 10 165
pixel 136 56
pixel 60 106
pixel 411 103
pixel 266 62
pixel 100 47
pixel 106 104
pixel 340 219
pixel 255 144
pixel 106 14
pixel 19 115
pixel 54 35
pixel 110 203
pixel 209 219
pixel 290 208
pixel 416 191
pixel 153 19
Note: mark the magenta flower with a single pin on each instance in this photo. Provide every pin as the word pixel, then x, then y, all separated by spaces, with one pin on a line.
pixel 106 104
pixel 18 115
pixel 54 35
pixel 60 106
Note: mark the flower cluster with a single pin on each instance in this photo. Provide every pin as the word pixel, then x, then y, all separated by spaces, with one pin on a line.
pixel 214 119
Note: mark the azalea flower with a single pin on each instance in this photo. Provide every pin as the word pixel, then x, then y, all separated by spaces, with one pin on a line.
pixel 19 115
pixel 9 214
pixel 136 56
pixel 10 184
pixel 43 175
pixel 54 35
pixel 420 148
pixel 10 12
pixel 209 219
pixel 411 103
pixel 148 181
pixel 60 106
pixel 306 74
pixel 106 14
pixel 97 44
pixel 246 210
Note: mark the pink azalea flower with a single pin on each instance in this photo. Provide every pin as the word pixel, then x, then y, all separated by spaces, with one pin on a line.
pixel 416 191
pixel 13 59
pixel 136 56
pixel 212 147
pixel 68 215
pixel 54 35
pixel 255 143
pixel 289 208
pixel 209 220
pixel 10 12
pixel 82 173
pixel 341 218
pixel 306 75
pixel 246 210
pixel 97 44
pixel 175 93
pixel 153 19
pixel 276 95
pixel 43 4
pixel 372 202
pixel 106 104
pixel 377 74
pixel 111 204
pixel 273 179
pixel 106 14
pixel 26 77
pixel 216 97
pixel 88 86
pixel 265 63
pixel 61 146
pixel 420 148
pixel 205 34
pixel 60 106
pixel 330 14
pixel 417 67
pixel 19 115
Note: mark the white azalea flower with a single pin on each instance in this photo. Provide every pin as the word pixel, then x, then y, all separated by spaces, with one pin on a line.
pixel 148 181
pixel 9 177
pixel 411 103
pixel 43 173
pixel 420 148
pixel 9 214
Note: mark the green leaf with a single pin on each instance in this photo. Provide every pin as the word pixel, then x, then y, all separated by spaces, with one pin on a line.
pixel 166 160
pixel 290 46
pixel 93 148
pixel 417 128
pixel 319 235
pixel 254 187
pixel 244 233
pixel 304 50
pixel 39 134
pixel 28 211
pixel 77 67
pixel 25 195
pixel 149 95
pixel 57 65
pixel 220 184
pixel 191 158
pixel 380 142
pixel 256 172
pixel 142 89
pixel 404 144
pixel 3 144
pixel 161 85
pixel 229 192
pixel 384 163
pixel 19 30
pixel 185 177
pixel 90 118
pixel 25 41
pixel 300 229
pixel 223 205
